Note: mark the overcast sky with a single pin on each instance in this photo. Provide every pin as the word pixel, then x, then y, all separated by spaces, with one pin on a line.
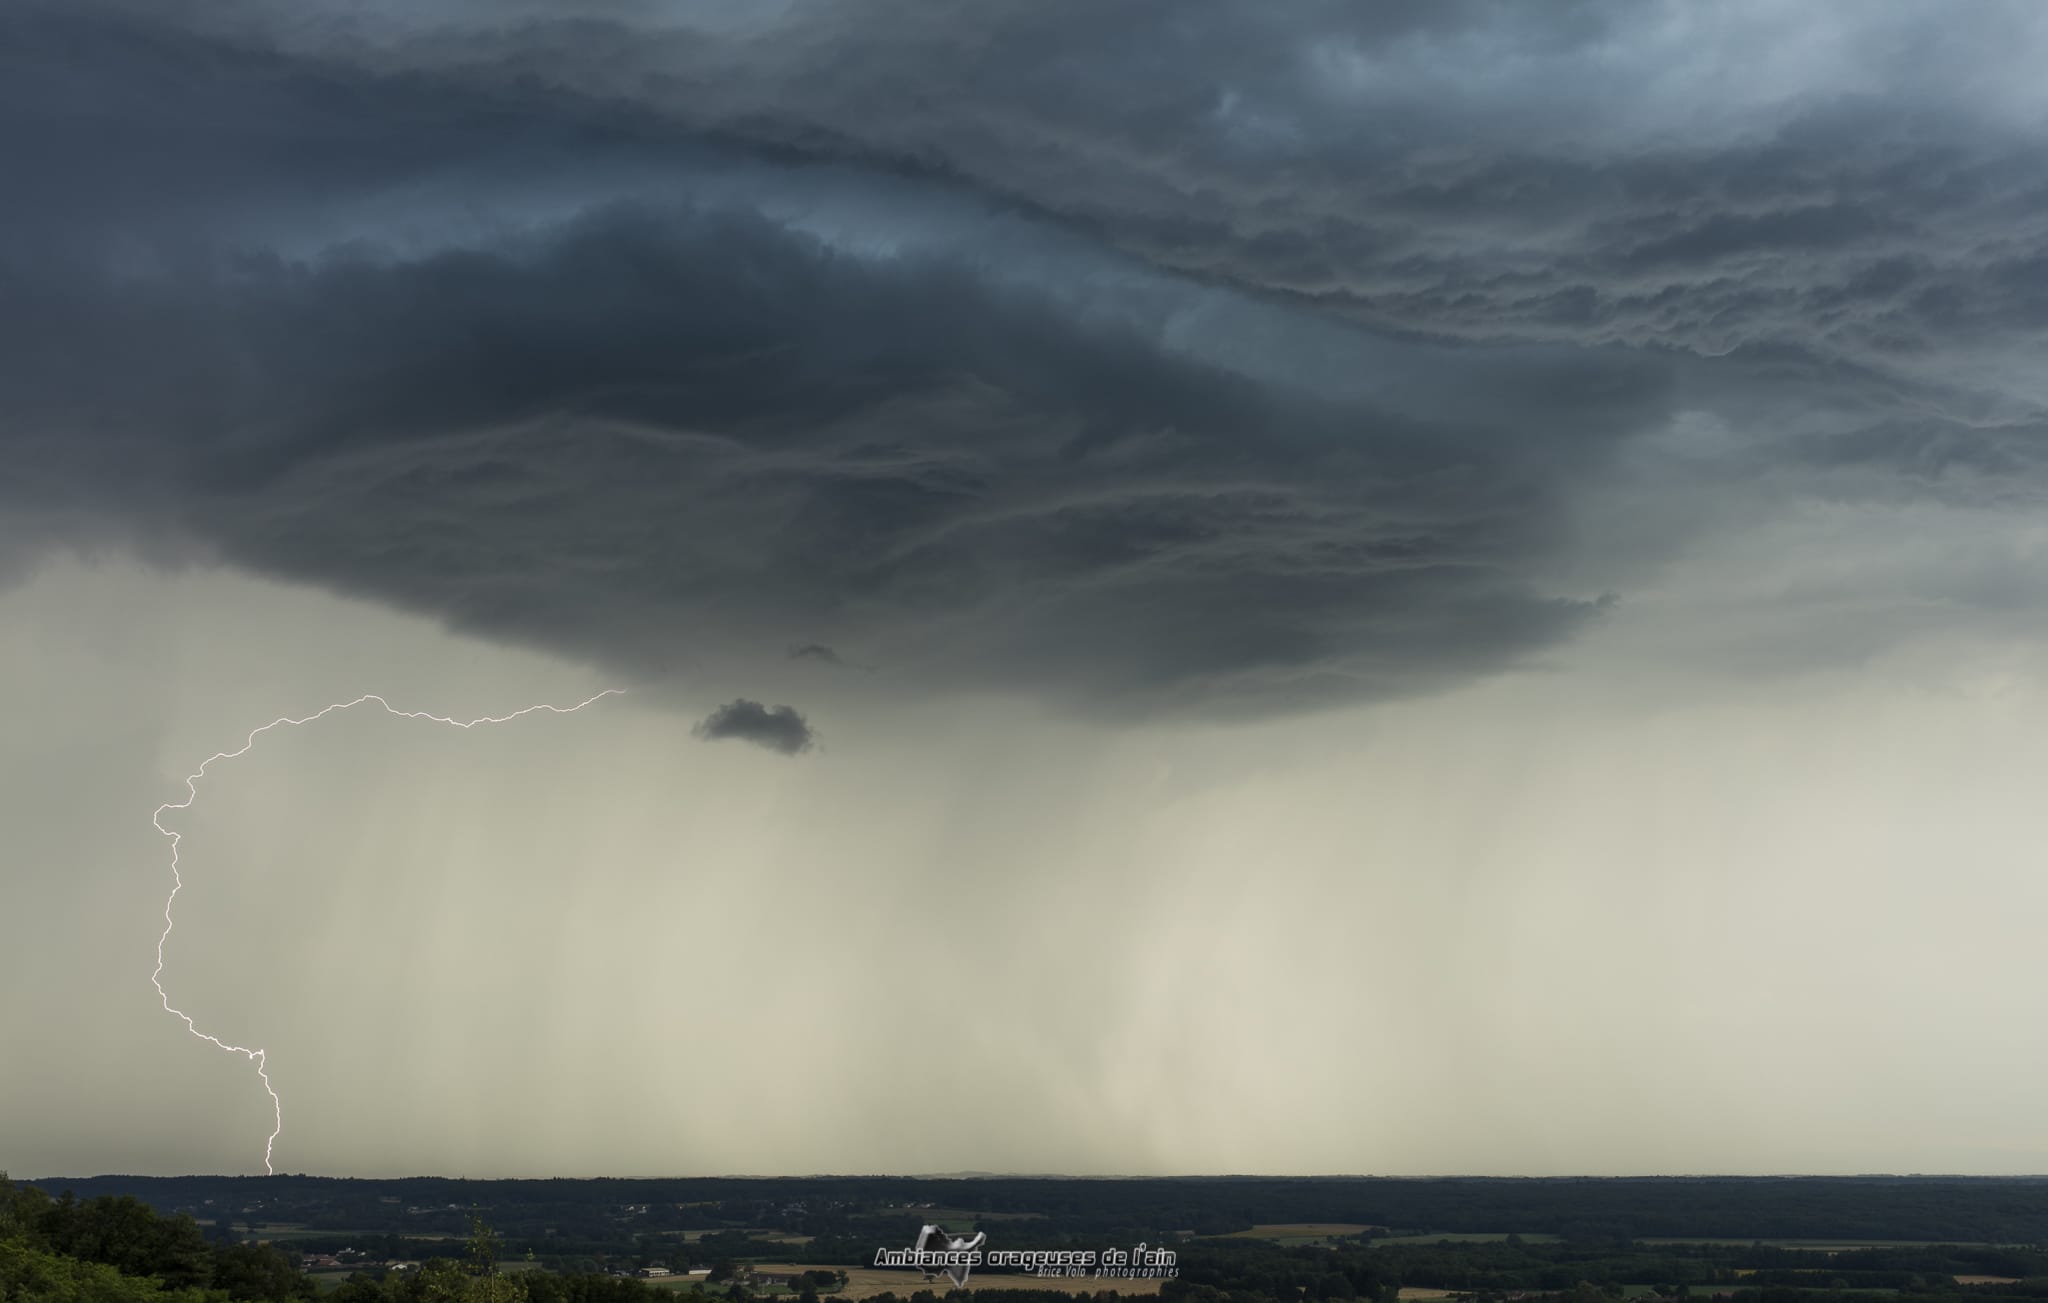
pixel 1196 586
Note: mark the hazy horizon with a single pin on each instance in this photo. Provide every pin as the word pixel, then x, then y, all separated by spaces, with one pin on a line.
pixel 1073 1176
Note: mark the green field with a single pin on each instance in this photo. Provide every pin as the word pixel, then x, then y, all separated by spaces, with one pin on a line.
pixel 1301 1232
pixel 960 1215
pixel 1822 1246
pixel 284 1231
pixel 1709 1291
pixel 772 1237
pixel 1473 1237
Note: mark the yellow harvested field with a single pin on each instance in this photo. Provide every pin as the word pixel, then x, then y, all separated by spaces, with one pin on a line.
pixel 1987 1280
pixel 1416 1291
pixel 866 1282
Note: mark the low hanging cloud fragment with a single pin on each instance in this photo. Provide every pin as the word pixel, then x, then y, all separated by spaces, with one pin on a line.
pixel 814 651
pixel 779 728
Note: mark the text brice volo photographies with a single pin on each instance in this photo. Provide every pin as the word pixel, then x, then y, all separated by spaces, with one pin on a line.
pixel 1138 1261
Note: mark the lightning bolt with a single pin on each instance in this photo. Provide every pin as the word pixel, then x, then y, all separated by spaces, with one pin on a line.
pixel 259 1057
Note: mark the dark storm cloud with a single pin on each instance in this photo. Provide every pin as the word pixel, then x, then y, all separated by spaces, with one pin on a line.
pixel 779 728
pixel 1051 347
pixel 1863 182
pixel 601 430
pixel 652 417
pixel 815 651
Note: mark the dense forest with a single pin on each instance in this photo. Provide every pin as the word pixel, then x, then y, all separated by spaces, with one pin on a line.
pixel 112 1240
pixel 116 1249
pixel 1054 1211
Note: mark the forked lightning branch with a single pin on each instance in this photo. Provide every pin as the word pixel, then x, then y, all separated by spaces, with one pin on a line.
pixel 260 1058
